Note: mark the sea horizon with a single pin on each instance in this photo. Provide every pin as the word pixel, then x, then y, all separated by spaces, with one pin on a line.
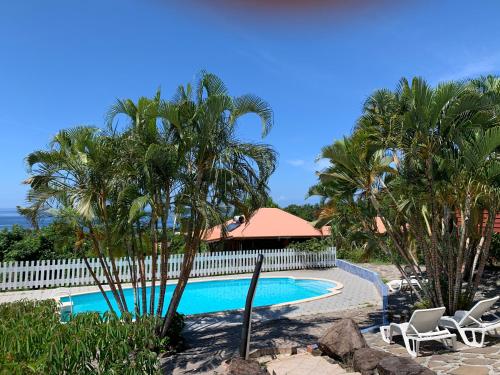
pixel 10 217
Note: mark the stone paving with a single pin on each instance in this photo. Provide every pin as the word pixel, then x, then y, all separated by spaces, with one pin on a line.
pixel 214 338
pixel 386 271
pixel 209 346
pixel 216 341
pixel 305 364
pixel 464 361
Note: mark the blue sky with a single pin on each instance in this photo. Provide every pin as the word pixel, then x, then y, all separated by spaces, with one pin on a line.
pixel 63 63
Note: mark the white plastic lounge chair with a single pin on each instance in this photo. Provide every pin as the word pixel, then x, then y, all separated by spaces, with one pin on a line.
pixel 402 284
pixel 470 322
pixel 423 326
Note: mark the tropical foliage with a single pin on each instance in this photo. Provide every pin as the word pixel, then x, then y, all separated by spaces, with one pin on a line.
pixel 313 244
pixel 425 161
pixel 34 341
pixel 495 250
pixel 307 212
pixel 54 241
pixel 160 167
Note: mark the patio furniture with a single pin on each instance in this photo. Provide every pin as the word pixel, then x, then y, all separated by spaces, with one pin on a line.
pixel 403 285
pixel 423 326
pixel 470 323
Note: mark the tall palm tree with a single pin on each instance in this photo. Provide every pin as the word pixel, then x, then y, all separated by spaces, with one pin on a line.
pixel 218 170
pixel 149 161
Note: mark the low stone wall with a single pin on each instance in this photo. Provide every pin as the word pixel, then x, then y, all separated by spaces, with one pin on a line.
pixel 371 276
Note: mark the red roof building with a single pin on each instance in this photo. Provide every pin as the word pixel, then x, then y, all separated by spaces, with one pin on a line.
pixel 268 228
pixel 496 225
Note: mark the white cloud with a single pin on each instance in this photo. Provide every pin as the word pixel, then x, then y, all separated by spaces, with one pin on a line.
pixel 296 162
pixel 309 164
pixel 485 65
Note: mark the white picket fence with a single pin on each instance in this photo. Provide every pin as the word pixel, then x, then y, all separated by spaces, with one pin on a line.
pixel 73 272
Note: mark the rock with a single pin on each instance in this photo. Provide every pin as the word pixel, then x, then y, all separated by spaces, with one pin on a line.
pixel 468 370
pixel 401 366
pixel 365 360
pixel 239 366
pixel 304 364
pixel 342 339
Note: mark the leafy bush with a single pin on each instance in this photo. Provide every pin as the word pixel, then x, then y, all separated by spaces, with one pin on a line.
pixel 346 251
pixel 361 255
pixel 55 241
pixel 314 244
pixel 34 341
pixel 495 249
pixel 353 254
pixel 307 212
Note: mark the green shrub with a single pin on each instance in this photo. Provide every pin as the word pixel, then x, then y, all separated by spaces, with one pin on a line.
pixel 314 244
pixel 356 255
pixel 495 248
pixel 55 241
pixel 307 212
pixel 34 341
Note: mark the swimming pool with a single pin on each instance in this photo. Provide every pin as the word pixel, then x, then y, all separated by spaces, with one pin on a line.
pixel 219 295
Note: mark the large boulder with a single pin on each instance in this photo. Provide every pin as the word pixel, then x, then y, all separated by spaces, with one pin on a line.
pixel 401 366
pixel 365 360
pixel 342 339
pixel 239 366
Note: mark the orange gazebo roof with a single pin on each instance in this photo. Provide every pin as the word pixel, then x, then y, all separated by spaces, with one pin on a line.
pixel 268 223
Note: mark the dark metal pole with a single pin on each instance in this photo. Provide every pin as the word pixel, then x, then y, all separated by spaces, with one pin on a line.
pixel 247 317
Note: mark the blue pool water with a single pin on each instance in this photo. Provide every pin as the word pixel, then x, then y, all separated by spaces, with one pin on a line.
pixel 220 295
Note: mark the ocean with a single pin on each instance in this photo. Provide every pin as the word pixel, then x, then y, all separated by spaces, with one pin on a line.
pixel 10 217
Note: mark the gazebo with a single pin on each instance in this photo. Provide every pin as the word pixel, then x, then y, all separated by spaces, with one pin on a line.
pixel 267 228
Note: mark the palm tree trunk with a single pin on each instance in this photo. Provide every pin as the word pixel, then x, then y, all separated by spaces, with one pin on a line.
pixel 485 251
pixel 164 252
pixel 118 281
pixel 154 264
pixel 449 252
pixel 131 259
pixel 436 266
pixel 105 269
pixel 187 265
pixel 461 251
pixel 417 227
pixel 142 270
pixel 98 283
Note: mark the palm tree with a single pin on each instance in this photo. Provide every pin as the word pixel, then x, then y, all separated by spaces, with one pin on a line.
pixel 180 156
pixel 149 162
pixel 218 170
pixel 77 171
pixel 32 213
pixel 442 144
